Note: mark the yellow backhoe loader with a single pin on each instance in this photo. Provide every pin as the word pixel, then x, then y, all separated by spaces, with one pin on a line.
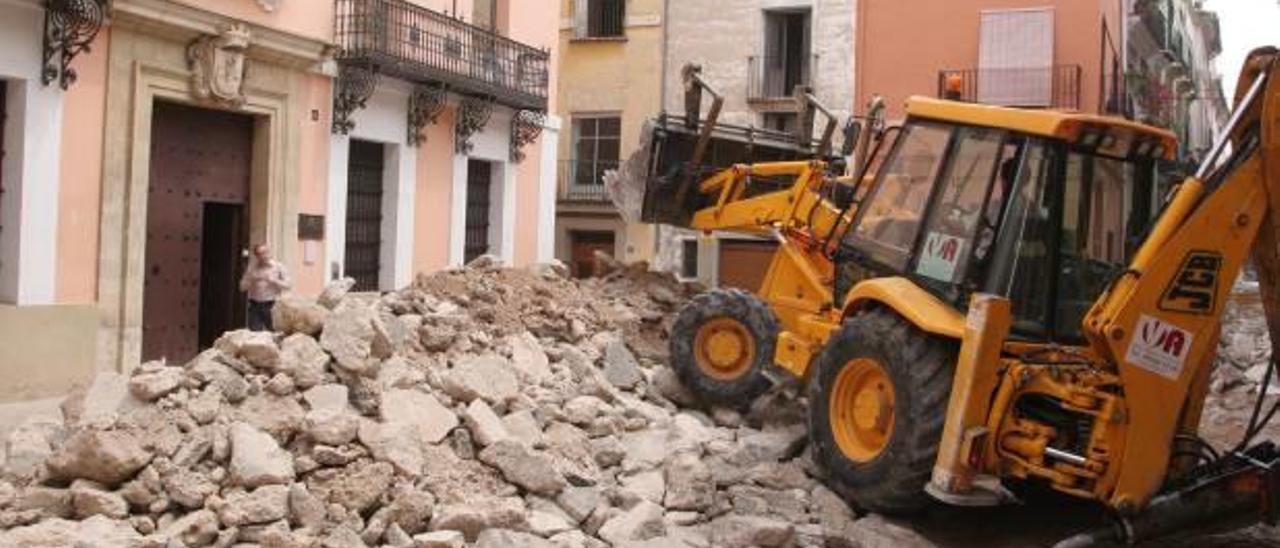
pixel 988 296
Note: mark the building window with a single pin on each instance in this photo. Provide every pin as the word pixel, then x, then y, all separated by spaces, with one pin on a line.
pixel 786 61
pixel 596 148
pixel 689 258
pixel 786 122
pixel 600 18
pixel 1015 57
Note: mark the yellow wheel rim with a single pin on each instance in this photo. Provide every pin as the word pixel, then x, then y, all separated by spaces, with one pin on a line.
pixel 724 349
pixel 861 409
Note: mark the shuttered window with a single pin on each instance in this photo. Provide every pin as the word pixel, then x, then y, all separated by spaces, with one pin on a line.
pixel 1015 57
pixel 599 18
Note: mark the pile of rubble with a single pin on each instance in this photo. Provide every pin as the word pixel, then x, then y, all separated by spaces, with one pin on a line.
pixel 479 407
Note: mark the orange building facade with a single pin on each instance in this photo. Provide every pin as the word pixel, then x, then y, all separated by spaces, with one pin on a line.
pixel 1043 53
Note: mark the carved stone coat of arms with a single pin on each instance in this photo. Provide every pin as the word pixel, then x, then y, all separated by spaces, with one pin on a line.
pixel 218 66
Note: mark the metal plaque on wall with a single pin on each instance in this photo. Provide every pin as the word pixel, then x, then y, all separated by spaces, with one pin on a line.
pixel 310 227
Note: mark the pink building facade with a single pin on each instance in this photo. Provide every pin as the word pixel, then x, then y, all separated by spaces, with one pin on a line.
pixel 366 138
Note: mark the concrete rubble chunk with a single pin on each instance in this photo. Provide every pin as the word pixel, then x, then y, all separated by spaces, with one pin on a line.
pixel 97 531
pixel 620 366
pixel 331 427
pixel 293 314
pixel 262 505
pixel 420 410
pixel 579 502
pixel 257 348
pixel 199 528
pixel 735 531
pixel 153 385
pixel 642 522
pixel 89 500
pixel 690 485
pixel 529 359
pixel 487 377
pixel 440 539
pixel 109 457
pixel 356 338
pixel 486 428
pixel 256 458
pixel 306 509
pixel 28 446
pixel 524 467
pixel 523 426
pixel 502 538
pixel 305 359
pixel 335 292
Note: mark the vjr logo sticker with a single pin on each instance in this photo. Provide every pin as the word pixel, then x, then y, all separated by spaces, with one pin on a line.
pixel 940 256
pixel 1192 290
pixel 1159 347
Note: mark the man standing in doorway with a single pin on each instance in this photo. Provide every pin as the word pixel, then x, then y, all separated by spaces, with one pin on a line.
pixel 265 280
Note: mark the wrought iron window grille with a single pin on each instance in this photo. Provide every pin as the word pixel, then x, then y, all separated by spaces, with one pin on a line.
pixel 69 27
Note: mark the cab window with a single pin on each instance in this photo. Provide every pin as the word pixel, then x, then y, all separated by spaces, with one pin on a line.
pixel 1105 212
pixel 951 232
pixel 889 220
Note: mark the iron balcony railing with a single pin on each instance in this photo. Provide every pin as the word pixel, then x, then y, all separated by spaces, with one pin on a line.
pixel 1046 87
pixel 417 44
pixel 776 77
pixel 583 180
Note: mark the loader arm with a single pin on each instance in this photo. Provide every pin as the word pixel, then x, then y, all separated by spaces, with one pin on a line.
pixel 1158 323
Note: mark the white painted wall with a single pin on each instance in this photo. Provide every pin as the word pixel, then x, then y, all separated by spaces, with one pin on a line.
pixel 491 145
pixel 384 121
pixel 31 171
pixel 547 189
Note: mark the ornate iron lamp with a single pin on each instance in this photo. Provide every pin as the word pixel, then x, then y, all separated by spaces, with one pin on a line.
pixel 69 27
pixel 355 85
pixel 526 126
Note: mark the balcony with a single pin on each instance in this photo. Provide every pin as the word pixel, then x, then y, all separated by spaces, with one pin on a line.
pixel 774 78
pixel 1048 87
pixel 414 43
pixel 582 182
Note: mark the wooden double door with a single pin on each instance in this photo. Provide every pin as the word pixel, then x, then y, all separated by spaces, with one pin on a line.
pixel 197 229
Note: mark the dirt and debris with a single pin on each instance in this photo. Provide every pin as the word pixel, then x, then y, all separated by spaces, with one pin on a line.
pixel 479 407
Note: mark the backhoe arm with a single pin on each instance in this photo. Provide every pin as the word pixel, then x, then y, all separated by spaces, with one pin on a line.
pixel 1158 324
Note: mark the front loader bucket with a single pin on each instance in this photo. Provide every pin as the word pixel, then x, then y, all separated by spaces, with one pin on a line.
pixel 647 186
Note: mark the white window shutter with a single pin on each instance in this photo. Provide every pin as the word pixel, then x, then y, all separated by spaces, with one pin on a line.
pixel 1015 57
pixel 579 18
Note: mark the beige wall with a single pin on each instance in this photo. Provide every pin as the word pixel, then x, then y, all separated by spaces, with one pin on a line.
pixel 611 76
pixel 47 349
pixel 893 60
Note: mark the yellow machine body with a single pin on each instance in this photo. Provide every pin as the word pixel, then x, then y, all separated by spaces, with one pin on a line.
pixel 1142 376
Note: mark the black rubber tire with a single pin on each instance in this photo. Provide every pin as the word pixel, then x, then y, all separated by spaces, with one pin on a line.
pixel 760 322
pixel 921 368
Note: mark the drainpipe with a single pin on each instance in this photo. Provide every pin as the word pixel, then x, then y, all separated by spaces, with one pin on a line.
pixel 662 107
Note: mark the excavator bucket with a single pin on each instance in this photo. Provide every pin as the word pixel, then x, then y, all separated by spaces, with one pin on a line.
pixel 648 186
pixel 657 184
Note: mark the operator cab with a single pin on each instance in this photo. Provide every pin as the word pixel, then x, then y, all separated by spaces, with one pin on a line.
pixel 1043 207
